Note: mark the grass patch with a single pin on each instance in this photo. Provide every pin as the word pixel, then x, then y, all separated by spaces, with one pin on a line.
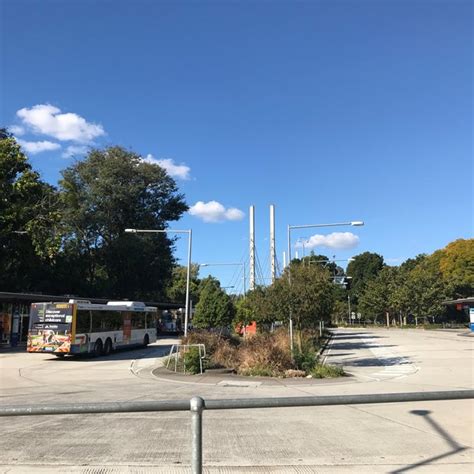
pixel 321 371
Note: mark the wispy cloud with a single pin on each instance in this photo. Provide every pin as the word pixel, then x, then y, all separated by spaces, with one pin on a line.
pixel 336 240
pixel 173 169
pixel 38 147
pixel 75 150
pixel 46 119
pixel 17 130
pixel 214 211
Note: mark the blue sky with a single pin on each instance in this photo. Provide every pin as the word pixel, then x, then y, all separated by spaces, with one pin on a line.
pixel 330 110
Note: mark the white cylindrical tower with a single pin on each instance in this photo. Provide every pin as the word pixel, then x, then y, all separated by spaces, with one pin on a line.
pixel 252 248
pixel 272 243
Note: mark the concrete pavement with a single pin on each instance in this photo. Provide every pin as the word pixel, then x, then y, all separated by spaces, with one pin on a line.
pixel 418 437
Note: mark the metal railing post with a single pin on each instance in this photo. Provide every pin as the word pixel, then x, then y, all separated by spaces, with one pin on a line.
pixel 197 406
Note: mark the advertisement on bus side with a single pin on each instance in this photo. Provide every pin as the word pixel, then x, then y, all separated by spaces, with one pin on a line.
pixel 50 327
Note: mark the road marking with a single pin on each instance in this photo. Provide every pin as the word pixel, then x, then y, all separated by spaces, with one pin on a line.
pixel 236 383
pixel 398 366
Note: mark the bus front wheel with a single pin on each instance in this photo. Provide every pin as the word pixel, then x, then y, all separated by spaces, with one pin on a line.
pixel 98 348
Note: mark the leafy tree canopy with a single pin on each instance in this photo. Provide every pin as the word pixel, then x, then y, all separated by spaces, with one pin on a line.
pixel 215 308
pixel 362 269
pixel 307 292
pixel 176 291
pixel 456 264
pixel 29 215
pixel 110 190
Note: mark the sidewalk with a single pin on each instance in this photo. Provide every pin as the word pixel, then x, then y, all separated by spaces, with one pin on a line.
pixel 6 348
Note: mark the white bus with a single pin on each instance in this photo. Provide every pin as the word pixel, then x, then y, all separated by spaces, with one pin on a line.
pixel 80 327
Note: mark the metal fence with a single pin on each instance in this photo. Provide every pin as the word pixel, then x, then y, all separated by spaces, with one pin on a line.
pixel 197 405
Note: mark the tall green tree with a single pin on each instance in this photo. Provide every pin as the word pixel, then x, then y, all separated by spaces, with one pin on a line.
pixel 215 308
pixel 456 265
pixel 378 297
pixel 308 293
pixel 362 269
pixel 425 290
pixel 110 190
pixel 255 306
pixel 29 222
pixel 176 291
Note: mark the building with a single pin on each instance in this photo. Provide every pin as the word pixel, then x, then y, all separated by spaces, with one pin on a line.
pixel 465 305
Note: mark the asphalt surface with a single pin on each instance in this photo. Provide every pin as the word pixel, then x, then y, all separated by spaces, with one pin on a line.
pixel 419 437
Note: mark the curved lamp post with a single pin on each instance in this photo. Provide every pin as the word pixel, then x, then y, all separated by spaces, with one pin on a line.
pixel 309 226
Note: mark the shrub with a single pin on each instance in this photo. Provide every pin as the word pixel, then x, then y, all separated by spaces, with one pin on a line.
pixel 188 361
pixel 225 355
pixel 326 371
pixel 192 360
pixel 305 359
pixel 259 355
pixel 264 353
pixel 210 340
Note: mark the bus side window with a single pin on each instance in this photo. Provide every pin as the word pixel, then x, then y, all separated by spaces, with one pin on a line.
pixel 116 321
pixel 83 321
pixel 96 321
pixel 110 320
pixel 150 320
pixel 138 320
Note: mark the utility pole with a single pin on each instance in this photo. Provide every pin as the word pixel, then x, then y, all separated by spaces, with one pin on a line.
pixel 252 248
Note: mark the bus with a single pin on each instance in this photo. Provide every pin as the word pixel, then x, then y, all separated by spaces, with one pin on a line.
pixel 80 327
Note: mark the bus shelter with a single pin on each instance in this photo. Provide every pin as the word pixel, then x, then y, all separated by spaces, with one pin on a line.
pixel 15 312
pixel 466 306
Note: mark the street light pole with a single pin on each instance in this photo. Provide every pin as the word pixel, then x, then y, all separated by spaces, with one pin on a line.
pixel 188 273
pixel 308 226
pixel 349 306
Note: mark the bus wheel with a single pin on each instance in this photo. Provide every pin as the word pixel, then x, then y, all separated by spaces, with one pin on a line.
pixel 60 356
pixel 146 340
pixel 108 347
pixel 98 348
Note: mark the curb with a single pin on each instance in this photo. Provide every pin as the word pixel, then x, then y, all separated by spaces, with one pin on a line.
pixel 325 346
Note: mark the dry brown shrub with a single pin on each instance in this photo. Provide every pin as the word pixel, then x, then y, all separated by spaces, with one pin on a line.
pixel 264 351
pixel 210 340
pixel 226 355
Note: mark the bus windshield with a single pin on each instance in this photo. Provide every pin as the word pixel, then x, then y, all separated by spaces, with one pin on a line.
pixel 50 327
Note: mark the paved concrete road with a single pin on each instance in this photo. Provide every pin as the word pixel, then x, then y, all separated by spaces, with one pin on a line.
pixel 418 437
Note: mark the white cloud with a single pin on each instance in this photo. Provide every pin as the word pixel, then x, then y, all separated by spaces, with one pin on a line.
pixel 16 130
pixel 75 150
pixel 38 147
pixel 214 211
pixel 336 240
pixel 173 169
pixel 48 120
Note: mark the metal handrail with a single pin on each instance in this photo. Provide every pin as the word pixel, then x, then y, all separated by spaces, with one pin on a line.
pixel 197 405
pixel 175 349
